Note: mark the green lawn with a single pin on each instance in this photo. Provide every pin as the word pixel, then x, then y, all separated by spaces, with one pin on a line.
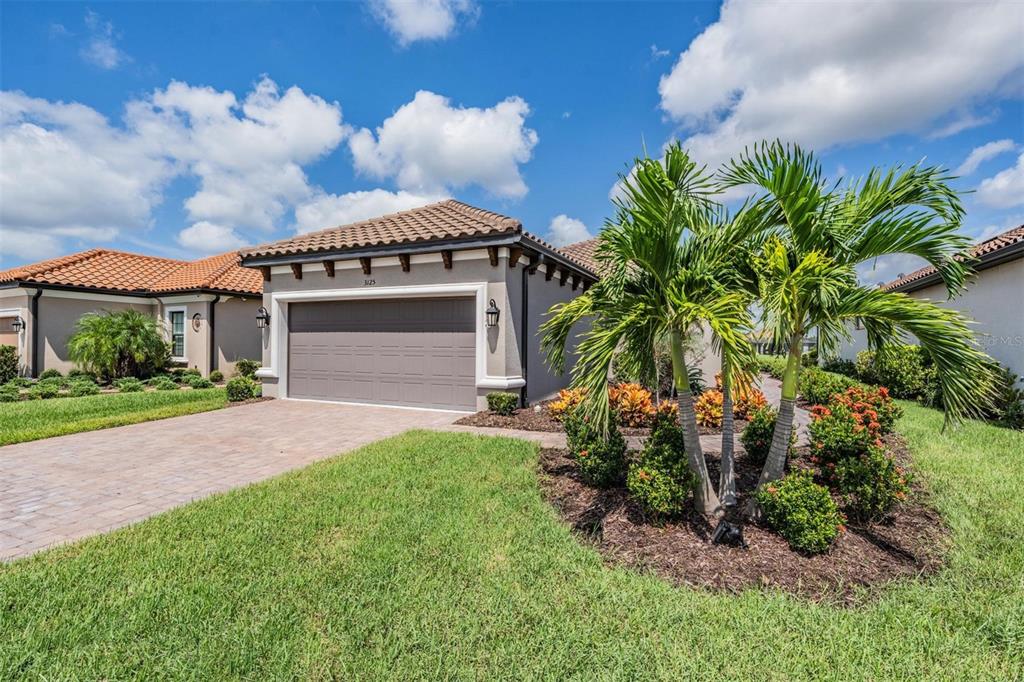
pixel 35 419
pixel 432 556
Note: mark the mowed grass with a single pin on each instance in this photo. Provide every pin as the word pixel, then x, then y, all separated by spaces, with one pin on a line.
pixel 34 419
pixel 433 556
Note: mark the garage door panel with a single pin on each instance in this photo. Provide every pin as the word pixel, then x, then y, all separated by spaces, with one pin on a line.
pixel 416 352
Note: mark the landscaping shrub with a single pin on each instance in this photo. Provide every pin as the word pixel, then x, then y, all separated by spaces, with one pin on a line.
pixel 902 369
pixel 246 368
pixel 217 375
pixel 44 389
pixel 871 484
pixel 51 374
pixel 708 408
pixel 632 404
pixel 838 432
pixel 9 393
pixel 83 388
pixel 848 368
pixel 745 399
pixel 78 373
pixel 817 387
pixel 602 460
pixel 500 402
pixel 241 388
pixel 875 403
pixel 163 383
pixel 20 382
pixel 772 365
pixel 8 363
pixel 196 381
pixel 129 385
pixel 801 511
pixel 757 436
pixel 126 343
pixel 661 481
pixel 568 400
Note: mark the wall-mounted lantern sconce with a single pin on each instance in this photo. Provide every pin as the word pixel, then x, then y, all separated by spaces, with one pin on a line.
pixel 17 325
pixel 492 314
pixel 262 318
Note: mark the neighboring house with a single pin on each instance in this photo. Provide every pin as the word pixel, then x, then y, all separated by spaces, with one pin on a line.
pixel 208 306
pixel 994 298
pixel 432 307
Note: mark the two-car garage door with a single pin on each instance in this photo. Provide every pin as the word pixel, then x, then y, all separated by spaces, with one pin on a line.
pixel 415 352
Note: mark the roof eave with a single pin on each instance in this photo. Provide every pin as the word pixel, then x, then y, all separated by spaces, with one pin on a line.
pixel 983 262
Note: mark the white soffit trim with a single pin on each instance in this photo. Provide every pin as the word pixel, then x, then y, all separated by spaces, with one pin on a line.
pixel 278 332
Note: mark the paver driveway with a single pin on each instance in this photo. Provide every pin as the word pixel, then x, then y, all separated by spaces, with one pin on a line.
pixel 61 489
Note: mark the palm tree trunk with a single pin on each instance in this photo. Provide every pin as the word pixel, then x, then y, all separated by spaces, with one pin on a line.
pixel 727 474
pixel 775 464
pixel 704 495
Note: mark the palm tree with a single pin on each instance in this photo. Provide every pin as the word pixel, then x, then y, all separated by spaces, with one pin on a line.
pixel 658 258
pixel 816 237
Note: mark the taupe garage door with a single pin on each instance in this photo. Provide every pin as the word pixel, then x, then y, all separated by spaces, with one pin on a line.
pixel 416 352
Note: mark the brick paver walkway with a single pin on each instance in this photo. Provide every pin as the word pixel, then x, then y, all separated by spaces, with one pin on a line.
pixel 60 489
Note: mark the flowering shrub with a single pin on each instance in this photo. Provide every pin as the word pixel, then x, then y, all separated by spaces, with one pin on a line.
pixel 871 484
pixel 708 408
pixel 875 401
pixel 757 436
pixel 838 432
pixel 602 461
pixel 631 404
pixel 568 400
pixel 802 512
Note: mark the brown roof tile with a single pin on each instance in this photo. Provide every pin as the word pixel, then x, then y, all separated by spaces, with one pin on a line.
pixel 443 220
pixel 134 273
pixel 585 252
pixel 989 246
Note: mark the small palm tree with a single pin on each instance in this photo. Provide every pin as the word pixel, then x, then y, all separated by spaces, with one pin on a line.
pixel 126 343
pixel 817 235
pixel 658 258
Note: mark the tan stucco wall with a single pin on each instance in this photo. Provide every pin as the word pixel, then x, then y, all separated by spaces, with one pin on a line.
pixel 993 300
pixel 542 380
pixel 58 316
pixel 236 335
pixel 16 301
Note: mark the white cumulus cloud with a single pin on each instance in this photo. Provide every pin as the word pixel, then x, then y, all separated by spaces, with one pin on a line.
pixel 863 72
pixel 326 210
pixel 431 147
pixel 69 172
pixel 980 155
pixel 413 20
pixel 565 230
pixel 206 237
pixel 1005 189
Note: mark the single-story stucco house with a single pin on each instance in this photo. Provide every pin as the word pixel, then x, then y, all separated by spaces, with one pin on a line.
pixel 208 306
pixel 993 299
pixel 433 307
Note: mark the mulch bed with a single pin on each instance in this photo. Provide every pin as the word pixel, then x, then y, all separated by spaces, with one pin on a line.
pixel 532 419
pixel 861 562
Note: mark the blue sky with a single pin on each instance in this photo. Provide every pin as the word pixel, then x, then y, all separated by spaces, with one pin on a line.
pixel 190 128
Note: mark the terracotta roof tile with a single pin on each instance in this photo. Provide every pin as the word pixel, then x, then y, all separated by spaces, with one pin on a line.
pixel 989 246
pixel 585 252
pixel 134 273
pixel 448 219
